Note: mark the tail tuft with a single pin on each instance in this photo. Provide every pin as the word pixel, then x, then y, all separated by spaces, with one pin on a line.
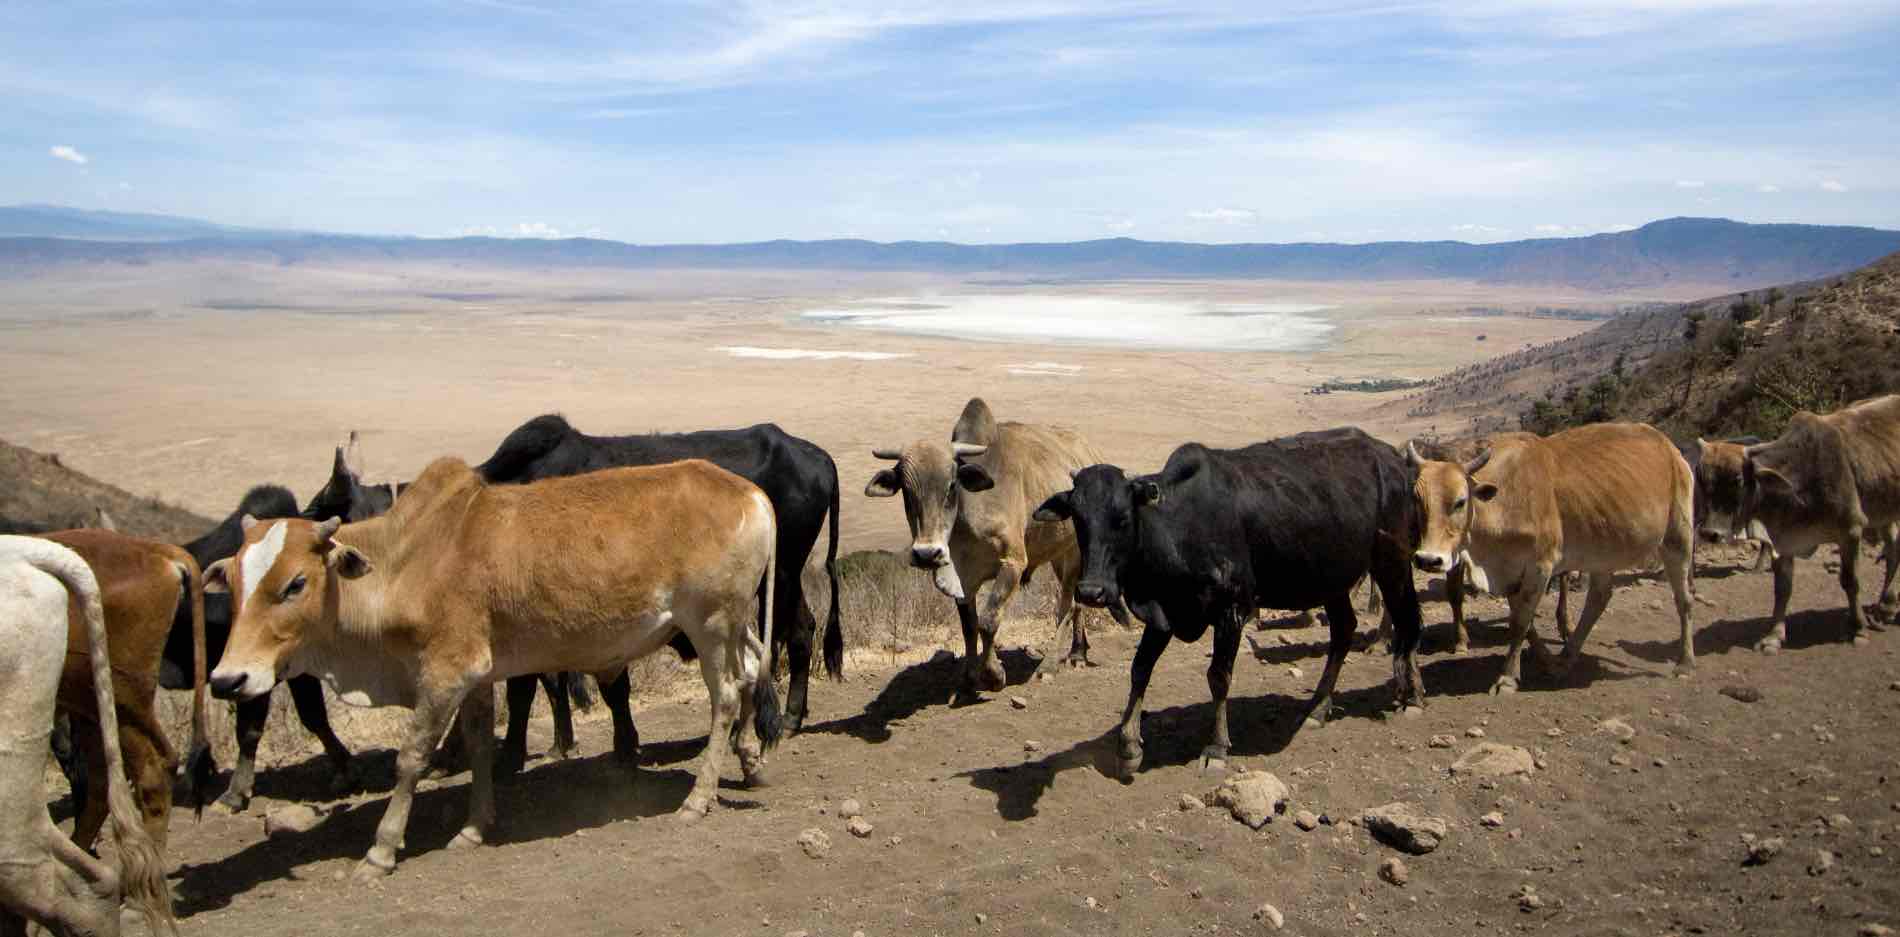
pixel 200 770
pixel 767 720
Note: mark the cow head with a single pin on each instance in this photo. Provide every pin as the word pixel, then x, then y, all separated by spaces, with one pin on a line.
pixel 932 480
pixel 284 583
pixel 1768 482
pixel 1448 496
pixel 1105 505
pixel 345 495
pixel 1719 470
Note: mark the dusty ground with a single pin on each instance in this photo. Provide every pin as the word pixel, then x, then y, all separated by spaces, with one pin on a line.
pixel 974 835
pixel 194 382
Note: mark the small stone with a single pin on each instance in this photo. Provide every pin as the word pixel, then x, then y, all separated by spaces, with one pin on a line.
pixel 1191 802
pixel 1839 821
pixel 1492 760
pixel 1659 762
pixel 1741 693
pixel 850 808
pixel 1618 729
pixel 1892 686
pixel 1269 915
pixel 798 933
pixel 1017 702
pixel 1195 892
pixel 815 843
pixel 1620 760
pixel 1475 732
pixel 1253 797
pixel 982 918
pixel 1394 871
pixel 1305 820
pixel 1398 825
pixel 1442 741
pixel 1822 864
pixel 895 840
pixel 1090 902
pixel 1295 672
pixel 1876 852
pixel 1492 820
pixel 1541 764
pixel 286 821
pixel 1032 746
pixel 1529 902
pixel 859 827
pixel 1762 850
pixel 1554 732
pixel 1875 930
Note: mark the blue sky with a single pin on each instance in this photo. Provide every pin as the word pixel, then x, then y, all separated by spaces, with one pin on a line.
pixel 971 120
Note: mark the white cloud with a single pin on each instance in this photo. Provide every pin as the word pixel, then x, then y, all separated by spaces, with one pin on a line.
pixel 70 155
pixel 536 229
pixel 1833 186
pixel 1226 215
pixel 1768 188
pixel 1482 230
pixel 1618 228
pixel 1690 183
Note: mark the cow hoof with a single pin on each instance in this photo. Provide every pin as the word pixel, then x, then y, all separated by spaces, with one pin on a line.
pixel 1461 647
pixel 468 838
pixel 1127 768
pixel 373 868
pixel 1214 761
pixel 233 802
pixel 507 766
pixel 693 811
pixel 1768 646
pixel 1503 686
pixel 1413 710
pixel 991 679
pixel 1862 640
pixel 792 722
pixel 1078 661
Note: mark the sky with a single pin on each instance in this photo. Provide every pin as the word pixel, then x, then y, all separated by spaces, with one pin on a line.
pixel 964 120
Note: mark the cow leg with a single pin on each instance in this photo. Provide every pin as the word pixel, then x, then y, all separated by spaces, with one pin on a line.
pixel 795 642
pixel 1763 556
pixel 1153 641
pixel 555 685
pixel 1850 584
pixel 1889 607
pixel 514 743
pixel 478 737
pixel 1220 678
pixel 148 767
pixel 1009 575
pixel 1343 628
pixel 306 692
pixel 1523 621
pixel 966 617
pixel 722 688
pixel 89 820
pixel 616 690
pixel 1455 597
pixel 1594 602
pixel 1562 582
pixel 1070 613
pixel 434 707
pixel 1393 577
pixel 1784 590
pixel 251 716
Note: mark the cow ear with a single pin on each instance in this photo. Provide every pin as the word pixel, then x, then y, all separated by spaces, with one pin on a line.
pixel 882 485
pixel 349 562
pixel 1485 491
pixel 1145 492
pixel 973 477
pixel 247 522
pixel 1057 508
pixel 214 576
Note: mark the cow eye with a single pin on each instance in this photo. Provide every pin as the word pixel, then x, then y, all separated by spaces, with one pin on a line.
pixel 295 587
pixel 950 494
pixel 1458 505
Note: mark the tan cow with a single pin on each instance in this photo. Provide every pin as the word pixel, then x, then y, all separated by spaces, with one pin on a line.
pixel 1596 499
pixel 146 585
pixel 1829 479
pixel 463 583
pixel 969 504
pixel 45 877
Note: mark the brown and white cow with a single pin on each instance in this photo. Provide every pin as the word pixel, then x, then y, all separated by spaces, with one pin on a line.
pixel 1829 479
pixel 464 583
pixel 145 585
pixel 969 505
pixel 45 877
pixel 1595 499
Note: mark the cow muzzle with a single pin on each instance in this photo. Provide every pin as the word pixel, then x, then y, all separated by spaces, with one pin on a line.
pixel 239 684
pixel 1430 562
pixel 928 555
pixel 1094 594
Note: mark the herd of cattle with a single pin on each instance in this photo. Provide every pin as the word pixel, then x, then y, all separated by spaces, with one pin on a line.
pixel 572 554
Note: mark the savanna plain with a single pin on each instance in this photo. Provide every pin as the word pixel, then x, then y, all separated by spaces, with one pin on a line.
pixel 193 382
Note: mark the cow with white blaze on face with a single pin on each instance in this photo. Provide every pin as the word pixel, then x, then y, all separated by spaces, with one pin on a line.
pixel 464 583
pixel 1831 478
pixel 1595 499
pixel 1718 494
pixel 1219 533
pixel 969 504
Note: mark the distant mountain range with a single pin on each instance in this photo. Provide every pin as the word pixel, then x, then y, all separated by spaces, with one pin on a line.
pixel 1697 250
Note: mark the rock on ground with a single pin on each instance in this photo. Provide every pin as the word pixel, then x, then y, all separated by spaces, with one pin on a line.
pixel 1253 797
pixel 1762 850
pixel 1442 741
pixel 1741 693
pixel 1269 915
pixel 859 827
pixel 1393 870
pixel 850 808
pixel 1305 820
pixel 1492 760
pixel 1617 729
pixel 1191 802
pixel 1404 828
pixel 815 843
pixel 296 818
pixel 1493 819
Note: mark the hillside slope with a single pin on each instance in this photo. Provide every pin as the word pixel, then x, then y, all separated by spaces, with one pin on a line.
pixel 38 494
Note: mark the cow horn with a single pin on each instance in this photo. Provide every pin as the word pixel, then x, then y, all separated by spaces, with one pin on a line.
pixel 328 529
pixel 891 454
pixel 964 450
pixel 1472 467
pixel 1411 455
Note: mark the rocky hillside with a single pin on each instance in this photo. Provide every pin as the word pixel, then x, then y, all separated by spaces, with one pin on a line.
pixel 1730 364
pixel 38 494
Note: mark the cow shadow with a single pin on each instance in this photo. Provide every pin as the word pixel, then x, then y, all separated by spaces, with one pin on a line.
pixel 552 799
pixel 1810 628
pixel 1260 726
pixel 934 682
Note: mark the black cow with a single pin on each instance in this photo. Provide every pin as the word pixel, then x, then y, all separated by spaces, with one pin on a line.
pixel 797 476
pixel 1220 533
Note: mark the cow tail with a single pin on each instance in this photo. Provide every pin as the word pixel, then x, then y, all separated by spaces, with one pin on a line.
pixel 767 720
pixel 834 633
pixel 141 870
pixel 199 766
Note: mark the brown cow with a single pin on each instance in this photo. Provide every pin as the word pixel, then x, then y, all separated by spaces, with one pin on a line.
pixel 1829 479
pixel 969 506
pixel 144 584
pixel 463 583
pixel 1597 499
pixel 44 876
